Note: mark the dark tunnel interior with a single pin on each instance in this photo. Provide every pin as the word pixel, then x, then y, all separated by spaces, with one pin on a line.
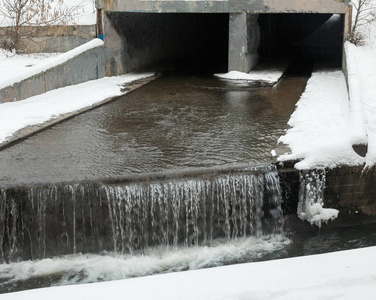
pixel 201 41
pixel 318 37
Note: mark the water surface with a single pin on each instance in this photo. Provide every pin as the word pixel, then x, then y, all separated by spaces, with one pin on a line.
pixel 176 122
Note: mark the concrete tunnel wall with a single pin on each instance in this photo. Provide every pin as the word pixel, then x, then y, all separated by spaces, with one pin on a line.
pixel 148 39
pixel 219 41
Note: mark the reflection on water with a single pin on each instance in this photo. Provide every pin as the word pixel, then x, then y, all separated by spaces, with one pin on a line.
pixel 173 122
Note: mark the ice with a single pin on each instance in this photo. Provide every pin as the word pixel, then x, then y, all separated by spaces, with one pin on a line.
pixel 311 198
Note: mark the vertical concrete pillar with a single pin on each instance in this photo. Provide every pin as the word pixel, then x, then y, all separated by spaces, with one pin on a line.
pixel 346 36
pixel 244 39
pixel 348 22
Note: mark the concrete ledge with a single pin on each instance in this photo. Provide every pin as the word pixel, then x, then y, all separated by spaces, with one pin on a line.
pixel 75 67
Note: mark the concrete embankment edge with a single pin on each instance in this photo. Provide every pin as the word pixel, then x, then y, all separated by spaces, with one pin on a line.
pixel 29 131
pixel 74 67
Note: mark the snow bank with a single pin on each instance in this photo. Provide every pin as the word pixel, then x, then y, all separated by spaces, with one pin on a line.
pixel 19 63
pixel 340 275
pixel 357 119
pixel 319 133
pixel 328 121
pixel 361 63
pixel 270 76
pixel 39 109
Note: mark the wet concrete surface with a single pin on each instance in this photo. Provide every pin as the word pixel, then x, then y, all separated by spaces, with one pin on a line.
pixel 175 122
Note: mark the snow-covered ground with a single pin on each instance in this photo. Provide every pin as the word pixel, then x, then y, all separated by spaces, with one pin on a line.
pixel 328 119
pixel 320 132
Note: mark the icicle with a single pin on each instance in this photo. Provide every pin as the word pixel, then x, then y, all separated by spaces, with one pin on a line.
pixel 311 198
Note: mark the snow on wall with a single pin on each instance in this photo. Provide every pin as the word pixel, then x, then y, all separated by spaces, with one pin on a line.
pixel 78 65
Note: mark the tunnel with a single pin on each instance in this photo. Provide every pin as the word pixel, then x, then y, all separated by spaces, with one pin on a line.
pixel 186 40
pixel 317 37
pixel 201 41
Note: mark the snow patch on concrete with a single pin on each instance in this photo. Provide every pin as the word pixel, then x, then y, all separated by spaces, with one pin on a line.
pixel 42 108
pixel 50 63
pixel 269 76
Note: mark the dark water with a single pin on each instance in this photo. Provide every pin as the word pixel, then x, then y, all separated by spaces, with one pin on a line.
pixel 175 122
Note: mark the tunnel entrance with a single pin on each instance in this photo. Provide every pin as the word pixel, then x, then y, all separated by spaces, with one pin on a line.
pixel 200 41
pixel 188 40
pixel 316 37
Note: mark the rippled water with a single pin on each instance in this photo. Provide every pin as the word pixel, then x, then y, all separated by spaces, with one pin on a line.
pixel 85 268
pixel 175 122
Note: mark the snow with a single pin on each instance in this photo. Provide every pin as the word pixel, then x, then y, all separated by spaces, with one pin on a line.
pixel 270 76
pixel 340 275
pixel 318 214
pixel 329 120
pixel 362 76
pixel 16 64
pixel 320 130
pixel 42 108
pixel 45 64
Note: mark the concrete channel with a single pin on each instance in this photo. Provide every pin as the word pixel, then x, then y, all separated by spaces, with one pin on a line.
pixel 238 35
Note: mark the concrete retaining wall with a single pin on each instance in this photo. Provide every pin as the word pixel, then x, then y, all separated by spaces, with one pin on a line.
pixel 51 39
pixel 80 66
pixel 351 190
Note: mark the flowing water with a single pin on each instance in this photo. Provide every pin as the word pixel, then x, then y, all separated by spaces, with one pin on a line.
pixel 123 217
pixel 175 122
pixel 165 171
pixel 161 180
pixel 86 268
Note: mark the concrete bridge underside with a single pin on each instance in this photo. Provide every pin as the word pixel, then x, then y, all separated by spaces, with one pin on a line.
pixel 244 35
pixel 224 6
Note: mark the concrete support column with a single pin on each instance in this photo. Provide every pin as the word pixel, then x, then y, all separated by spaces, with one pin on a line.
pixel 244 39
pixel 346 37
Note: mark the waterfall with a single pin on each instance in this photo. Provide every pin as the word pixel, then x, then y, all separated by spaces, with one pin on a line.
pixel 127 216
pixel 311 198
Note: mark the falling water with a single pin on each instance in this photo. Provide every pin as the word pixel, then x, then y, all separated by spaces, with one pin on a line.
pixel 128 216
